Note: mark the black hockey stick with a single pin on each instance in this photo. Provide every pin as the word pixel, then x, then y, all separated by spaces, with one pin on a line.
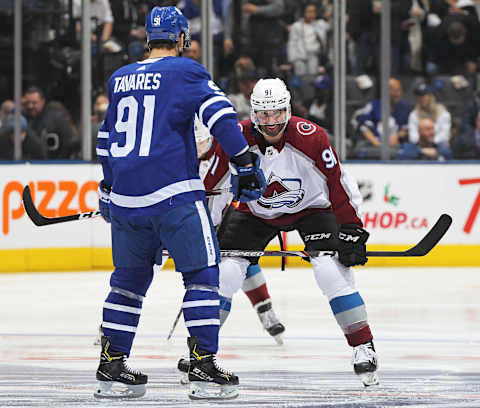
pixel 421 249
pixel 40 220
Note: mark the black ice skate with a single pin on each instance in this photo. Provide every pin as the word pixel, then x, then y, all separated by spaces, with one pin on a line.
pixel 364 362
pixel 113 371
pixel 270 320
pixel 207 379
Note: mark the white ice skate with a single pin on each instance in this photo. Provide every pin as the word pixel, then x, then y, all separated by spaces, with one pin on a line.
pixel 270 321
pixel 365 364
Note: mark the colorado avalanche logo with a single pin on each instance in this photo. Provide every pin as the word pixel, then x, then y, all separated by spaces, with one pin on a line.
pixel 281 192
pixel 305 128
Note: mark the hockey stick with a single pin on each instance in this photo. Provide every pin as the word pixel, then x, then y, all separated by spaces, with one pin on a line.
pixel 425 245
pixel 420 249
pixel 40 220
pixel 175 323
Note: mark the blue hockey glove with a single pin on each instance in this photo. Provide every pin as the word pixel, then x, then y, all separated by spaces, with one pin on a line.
pixel 104 200
pixel 248 182
pixel 351 245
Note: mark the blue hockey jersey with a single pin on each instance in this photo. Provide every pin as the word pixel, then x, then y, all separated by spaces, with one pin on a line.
pixel 146 144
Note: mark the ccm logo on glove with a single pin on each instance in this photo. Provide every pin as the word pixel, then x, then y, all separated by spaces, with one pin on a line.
pixel 318 237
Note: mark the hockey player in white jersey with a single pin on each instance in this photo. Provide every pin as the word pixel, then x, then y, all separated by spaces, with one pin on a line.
pixel 153 196
pixel 254 285
pixel 309 191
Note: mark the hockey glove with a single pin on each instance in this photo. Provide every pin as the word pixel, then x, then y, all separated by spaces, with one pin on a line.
pixel 104 200
pixel 248 182
pixel 351 245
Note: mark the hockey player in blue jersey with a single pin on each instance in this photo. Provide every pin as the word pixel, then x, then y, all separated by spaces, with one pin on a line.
pixel 152 195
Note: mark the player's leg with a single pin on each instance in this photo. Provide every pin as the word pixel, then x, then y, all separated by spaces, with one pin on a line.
pixel 160 260
pixel 194 249
pixel 240 230
pixel 133 253
pixel 320 232
pixel 255 287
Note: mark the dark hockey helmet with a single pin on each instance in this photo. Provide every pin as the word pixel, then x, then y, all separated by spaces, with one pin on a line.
pixel 167 23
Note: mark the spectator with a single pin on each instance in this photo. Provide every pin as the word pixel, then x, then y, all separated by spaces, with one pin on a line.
pixel 194 51
pixel 129 27
pixel 6 109
pixel 320 110
pixel 191 10
pixel 466 145
pixel 241 100
pixel 425 148
pixel 52 127
pixel 470 112
pixel 31 147
pixel 400 27
pixel 262 31
pixel 101 14
pixel 307 43
pixel 428 107
pixel 362 28
pixel 242 65
pixel 459 50
pixel 369 123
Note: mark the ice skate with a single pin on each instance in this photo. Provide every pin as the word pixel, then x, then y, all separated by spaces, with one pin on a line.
pixel 270 321
pixel 115 378
pixel 364 363
pixel 207 379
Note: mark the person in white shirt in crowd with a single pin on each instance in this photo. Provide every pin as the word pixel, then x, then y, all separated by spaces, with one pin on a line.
pixel 101 14
pixel 428 107
pixel 307 42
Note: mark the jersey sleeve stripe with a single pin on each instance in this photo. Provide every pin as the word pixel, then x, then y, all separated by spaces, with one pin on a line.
pixel 209 102
pixel 102 152
pixel 218 115
pixel 102 135
pixel 162 194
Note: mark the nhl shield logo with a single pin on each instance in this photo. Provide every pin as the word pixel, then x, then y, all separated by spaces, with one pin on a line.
pixel 281 192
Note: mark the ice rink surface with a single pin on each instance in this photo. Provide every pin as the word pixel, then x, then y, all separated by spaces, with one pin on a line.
pixel 426 324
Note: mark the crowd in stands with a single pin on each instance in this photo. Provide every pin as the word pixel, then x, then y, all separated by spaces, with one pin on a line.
pixel 435 55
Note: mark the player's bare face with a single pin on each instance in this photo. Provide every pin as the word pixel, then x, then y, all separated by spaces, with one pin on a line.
pixel 272 124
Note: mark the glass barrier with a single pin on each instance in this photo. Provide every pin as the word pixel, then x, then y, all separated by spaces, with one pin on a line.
pixel 433 85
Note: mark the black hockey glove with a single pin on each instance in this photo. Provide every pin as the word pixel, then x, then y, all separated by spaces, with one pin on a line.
pixel 248 182
pixel 351 245
pixel 104 200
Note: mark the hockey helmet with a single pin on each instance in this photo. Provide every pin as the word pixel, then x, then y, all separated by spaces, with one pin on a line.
pixel 272 95
pixel 167 23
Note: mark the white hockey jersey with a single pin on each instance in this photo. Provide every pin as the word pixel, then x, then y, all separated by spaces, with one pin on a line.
pixel 303 176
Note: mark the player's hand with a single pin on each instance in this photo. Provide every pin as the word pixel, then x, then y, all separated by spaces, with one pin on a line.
pixel 104 200
pixel 351 247
pixel 248 180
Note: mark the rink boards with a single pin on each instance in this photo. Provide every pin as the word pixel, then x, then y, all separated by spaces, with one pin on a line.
pixel 401 203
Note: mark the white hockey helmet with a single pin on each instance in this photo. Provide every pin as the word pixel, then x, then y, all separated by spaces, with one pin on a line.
pixel 270 94
pixel 203 138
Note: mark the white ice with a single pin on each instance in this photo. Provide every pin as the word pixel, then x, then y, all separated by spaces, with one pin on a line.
pixel 426 324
